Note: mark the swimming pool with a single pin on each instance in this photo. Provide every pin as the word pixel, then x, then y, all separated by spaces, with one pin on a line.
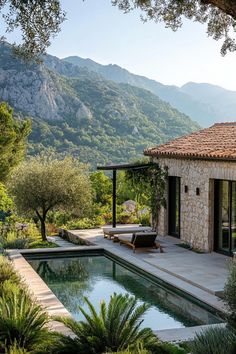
pixel 99 276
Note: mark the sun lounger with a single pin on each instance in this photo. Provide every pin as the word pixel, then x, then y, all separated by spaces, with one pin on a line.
pixel 110 232
pixel 142 240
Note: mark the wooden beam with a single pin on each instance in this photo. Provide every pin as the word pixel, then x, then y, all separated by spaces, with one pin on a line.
pixel 126 166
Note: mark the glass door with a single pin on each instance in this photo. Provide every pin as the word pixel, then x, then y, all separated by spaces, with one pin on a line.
pixel 174 207
pixel 225 216
pixel 233 218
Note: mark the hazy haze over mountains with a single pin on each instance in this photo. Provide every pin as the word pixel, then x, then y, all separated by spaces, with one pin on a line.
pixel 204 103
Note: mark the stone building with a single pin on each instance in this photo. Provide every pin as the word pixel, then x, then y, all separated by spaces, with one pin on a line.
pixel 201 200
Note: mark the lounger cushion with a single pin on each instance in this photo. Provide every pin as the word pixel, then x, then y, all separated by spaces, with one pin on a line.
pixel 144 239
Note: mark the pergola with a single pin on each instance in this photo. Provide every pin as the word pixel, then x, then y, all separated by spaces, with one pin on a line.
pixel 114 169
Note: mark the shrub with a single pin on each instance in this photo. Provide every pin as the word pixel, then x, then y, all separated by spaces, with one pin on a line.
pixel 15 349
pixel 7 272
pixel 59 218
pixel 115 327
pixel 145 219
pixel 51 229
pixel 230 293
pixel 125 217
pixel 9 279
pixel 84 223
pixel 214 341
pixel 42 244
pixel 162 348
pixel 137 349
pixel 22 321
pixel 15 241
pixel 8 287
pixel 11 237
pixel 6 203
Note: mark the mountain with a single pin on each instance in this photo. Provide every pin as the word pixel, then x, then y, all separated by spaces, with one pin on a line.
pixel 221 101
pixel 76 111
pixel 204 103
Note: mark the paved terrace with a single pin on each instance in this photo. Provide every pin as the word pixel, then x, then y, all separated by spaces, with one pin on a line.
pixel 200 274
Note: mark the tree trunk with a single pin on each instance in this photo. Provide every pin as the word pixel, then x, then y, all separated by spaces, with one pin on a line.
pixel 42 219
pixel 43 229
pixel 227 6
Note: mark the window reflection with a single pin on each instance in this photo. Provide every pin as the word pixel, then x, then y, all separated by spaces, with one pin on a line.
pixel 226 215
pixel 233 217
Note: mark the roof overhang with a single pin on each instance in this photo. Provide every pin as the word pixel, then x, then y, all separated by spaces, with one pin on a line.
pixel 190 157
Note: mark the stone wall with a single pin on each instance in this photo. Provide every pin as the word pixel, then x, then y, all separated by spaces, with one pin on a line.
pixel 197 211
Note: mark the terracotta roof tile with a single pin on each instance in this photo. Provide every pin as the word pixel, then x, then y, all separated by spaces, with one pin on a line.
pixel 216 142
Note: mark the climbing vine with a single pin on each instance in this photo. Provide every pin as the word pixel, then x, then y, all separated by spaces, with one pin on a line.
pixel 151 180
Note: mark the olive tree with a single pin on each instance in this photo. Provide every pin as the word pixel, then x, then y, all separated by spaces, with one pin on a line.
pixel 38 20
pixel 42 184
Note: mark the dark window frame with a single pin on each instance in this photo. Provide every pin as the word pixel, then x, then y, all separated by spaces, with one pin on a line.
pixel 171 198
pixel 216 215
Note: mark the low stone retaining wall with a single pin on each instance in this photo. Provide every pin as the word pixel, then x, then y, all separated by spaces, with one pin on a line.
pixel 69 236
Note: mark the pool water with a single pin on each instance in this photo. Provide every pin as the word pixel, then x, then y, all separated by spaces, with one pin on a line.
pixel 98 277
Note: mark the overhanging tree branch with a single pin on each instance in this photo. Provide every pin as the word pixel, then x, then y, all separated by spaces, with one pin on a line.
pixel 219 15
pixel 40 20
pixel 226 6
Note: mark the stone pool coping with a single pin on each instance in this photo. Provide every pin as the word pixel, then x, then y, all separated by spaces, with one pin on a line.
pixel 53 306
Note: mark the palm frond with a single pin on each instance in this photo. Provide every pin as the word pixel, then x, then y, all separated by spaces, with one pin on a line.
pixel 22 321
pixel 114 327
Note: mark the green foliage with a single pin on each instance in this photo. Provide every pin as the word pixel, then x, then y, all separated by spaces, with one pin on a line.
pixel 53 185
pixel 170 348
pixel 22 321
pixel 115 327
pixel 162 348
pixel 144 219
pixel 125 190
pixel 59 218
pixel 9 279
pixel 11 237
pixel 107 122
pixel 116 124
pixel 15 349
pixel 14 241
pixel 85 223
pixel 6 202
pixel 137 349
pixel 38 21
pixel 42 244
pixel 7 272
pixel 230 292
pixel 152 182
pixel 214 341
pixel 13 136
pixel 102 186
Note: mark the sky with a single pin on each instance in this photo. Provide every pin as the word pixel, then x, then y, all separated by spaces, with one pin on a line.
pixel 97 30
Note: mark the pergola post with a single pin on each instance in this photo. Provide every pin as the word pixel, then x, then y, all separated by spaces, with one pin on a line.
pixel 114 199
pixel 114 169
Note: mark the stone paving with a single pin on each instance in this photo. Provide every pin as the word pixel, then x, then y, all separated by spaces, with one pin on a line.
pixel 207 271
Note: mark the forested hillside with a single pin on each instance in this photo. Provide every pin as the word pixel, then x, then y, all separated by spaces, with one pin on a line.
pixel 204 103
pixel 78 112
